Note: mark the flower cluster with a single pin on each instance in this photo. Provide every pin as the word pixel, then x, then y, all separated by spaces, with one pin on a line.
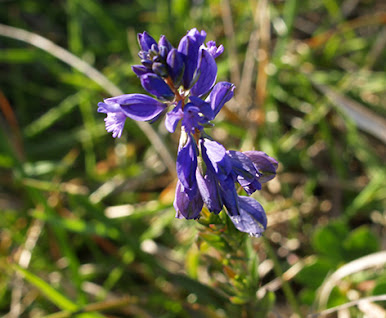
pixel 182 81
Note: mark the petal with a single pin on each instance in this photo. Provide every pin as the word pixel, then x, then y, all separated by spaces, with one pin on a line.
pixel 186 206
pixel 209 190
pixel 244 171
pixel 204 107
pixel 220 94
pixel 145 41
pixel 156 86
pixel 138 106
pixel 189 46
pixel 186 163
pixel 229 195
pixel 173 117
pixel 191 120
pixel 109 107
pixel 216 158
pixel 114 123
pixel 265 164
pixel 213 49
pixel 208 74
pixel 175 61
pixel 252 218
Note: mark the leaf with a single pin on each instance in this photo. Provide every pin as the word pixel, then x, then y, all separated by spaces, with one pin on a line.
pixel 47 290
pixel 360 242
pixel 314 274
pixel 328 240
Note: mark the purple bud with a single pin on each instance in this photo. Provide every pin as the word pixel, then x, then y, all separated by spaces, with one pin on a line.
pixel 164 46
pixel 156 85
pixel 140 70
pixel 160 69
pixel 175 61
pixel 145 41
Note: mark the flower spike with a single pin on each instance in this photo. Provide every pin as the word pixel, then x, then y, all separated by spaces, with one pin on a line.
pixel 182 81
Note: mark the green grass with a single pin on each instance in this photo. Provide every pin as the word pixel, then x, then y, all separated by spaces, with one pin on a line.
pixel 87 226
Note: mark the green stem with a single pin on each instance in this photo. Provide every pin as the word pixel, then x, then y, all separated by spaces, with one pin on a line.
pixel 288 292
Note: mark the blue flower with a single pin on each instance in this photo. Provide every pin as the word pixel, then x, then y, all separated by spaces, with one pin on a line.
pixel 182 81
pixel 216 177
pixel 136 106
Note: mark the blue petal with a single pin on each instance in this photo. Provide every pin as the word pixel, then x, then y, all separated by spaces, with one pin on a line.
pixel 265 164
pixel 186 163
pixel 229 196
pixel 192 118
pixel 213 49
pixel 251 218
pixel 187 206
pixel 244 171
pixel 156 86
pixel 204 107
pixel 209 189
pixel 208 74
pixel 136 106
pixel 220 94
pixel 216 158
pixel 173 117
pixel 189 46
pixel 109 106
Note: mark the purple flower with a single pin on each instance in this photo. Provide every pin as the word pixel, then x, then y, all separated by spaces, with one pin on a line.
pixel 216 178
pixel 207 173
pixel 136 106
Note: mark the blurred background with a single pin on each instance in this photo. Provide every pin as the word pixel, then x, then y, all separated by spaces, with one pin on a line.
pixel 87 226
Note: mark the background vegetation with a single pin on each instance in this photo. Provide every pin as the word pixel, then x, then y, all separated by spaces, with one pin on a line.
pixel 87 226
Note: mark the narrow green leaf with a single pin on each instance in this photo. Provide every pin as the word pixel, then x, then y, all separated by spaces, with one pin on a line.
pixel 47 290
